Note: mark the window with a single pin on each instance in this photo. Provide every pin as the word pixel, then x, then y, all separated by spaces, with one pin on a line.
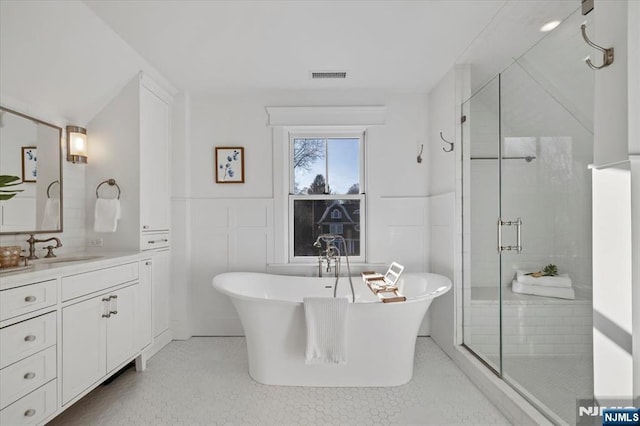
pixel 336 228
pixel 326 193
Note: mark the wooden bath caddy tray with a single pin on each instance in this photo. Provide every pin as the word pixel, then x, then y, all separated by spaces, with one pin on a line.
pixel 384 286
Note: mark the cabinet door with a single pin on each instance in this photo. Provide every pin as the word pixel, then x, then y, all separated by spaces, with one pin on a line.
pixel 154 162
pixel 161 290
pixel 144 303
pixel 83 346
pixel 122 336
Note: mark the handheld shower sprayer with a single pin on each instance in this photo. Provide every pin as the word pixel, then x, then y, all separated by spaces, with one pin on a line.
pixel 333 251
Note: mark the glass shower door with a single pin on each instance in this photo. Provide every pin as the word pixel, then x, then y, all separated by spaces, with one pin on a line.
pixel 481 190
pixel 546 102
pixel 527 143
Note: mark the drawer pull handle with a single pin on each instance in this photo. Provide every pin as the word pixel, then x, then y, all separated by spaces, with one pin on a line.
pixel 30 299
pixel 106 315
pixel 148 263
pixel 163 240
pixel 145 226
pixel 106 299
pixel 30 412
pixel 113 313
pixel 29 375
pixel 29 338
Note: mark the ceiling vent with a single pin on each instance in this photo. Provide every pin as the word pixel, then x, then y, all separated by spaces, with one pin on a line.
pixel 328 74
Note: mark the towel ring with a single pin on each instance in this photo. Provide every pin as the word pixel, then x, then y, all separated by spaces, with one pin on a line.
pixel 110 182
pixel 49 187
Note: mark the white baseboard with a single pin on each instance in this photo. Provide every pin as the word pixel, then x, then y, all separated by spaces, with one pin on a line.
pixel 159 342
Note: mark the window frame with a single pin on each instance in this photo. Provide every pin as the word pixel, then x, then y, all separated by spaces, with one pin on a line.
pixel 361 196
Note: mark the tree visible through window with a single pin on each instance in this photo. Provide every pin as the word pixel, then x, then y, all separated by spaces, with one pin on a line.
pixel 326 192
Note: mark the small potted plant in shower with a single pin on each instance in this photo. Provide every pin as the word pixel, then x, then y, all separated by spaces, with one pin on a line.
pixel 550 270
pixel 5 181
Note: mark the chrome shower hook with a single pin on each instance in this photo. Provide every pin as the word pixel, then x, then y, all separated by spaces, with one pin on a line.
pixel 450 143
pixel 607 54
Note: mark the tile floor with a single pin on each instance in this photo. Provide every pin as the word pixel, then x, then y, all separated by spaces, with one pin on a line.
pixel 204 381
pixel 557 381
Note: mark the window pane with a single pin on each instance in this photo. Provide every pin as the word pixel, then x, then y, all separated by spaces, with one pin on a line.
pixel 309 166
pixel 344 165
pixel 314 217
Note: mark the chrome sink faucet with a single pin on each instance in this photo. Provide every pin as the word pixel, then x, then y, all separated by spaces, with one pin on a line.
pixel 32 246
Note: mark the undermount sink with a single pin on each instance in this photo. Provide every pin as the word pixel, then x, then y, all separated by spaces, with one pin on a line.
pixel 66 259
pixel 10 269
pixel 51 262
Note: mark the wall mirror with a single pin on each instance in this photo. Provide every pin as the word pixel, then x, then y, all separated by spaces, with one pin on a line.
pixel 31 150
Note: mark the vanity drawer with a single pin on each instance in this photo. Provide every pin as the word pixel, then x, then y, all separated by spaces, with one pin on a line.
pixel 22 300
pixel 33 408
pixel 27 375
pixel 154 241
pixel 89 282
pixel 25 338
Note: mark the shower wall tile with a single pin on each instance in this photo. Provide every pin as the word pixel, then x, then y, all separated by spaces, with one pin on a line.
pixel 532 327
pixel 444 310
pixel 552 196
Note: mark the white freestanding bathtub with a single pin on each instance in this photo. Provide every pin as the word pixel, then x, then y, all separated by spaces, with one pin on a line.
pixel 381 337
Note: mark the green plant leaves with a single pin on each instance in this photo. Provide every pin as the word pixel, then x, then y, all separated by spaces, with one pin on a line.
pixel 8 180
pixel 550 270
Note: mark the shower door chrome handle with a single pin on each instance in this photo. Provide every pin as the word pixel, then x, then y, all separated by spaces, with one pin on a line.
pixel 518 224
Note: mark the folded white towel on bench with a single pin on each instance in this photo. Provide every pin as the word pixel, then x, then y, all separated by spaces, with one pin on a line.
pixel 562 280
pixel 547 291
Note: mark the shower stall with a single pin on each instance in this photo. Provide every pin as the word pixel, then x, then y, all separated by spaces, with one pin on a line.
pixel 527 143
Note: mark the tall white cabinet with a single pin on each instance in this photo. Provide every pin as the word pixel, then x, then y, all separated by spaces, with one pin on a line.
pixel 129 141
pixel 154 160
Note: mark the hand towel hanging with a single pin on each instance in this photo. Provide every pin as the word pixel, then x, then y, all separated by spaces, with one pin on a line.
pixel 107 214
pixel 326 320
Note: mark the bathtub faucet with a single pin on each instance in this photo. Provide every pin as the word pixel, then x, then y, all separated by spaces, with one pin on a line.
pixel 332 252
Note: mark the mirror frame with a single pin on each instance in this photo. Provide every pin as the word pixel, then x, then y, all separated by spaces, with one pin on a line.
pixel 38 121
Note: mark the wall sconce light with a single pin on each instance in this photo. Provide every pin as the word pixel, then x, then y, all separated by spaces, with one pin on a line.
pixel 76 144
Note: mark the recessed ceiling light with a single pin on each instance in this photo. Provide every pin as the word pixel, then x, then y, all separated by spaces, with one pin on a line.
pixel 549 26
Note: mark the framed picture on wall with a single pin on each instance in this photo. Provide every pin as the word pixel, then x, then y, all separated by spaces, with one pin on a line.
pixel 29 163
pixel 229 164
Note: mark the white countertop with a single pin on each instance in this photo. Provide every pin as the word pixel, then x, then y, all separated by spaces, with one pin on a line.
pixel 63 265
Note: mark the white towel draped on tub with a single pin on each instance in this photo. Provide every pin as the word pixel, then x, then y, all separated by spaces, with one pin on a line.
pixel 106 215
pixel 326 319
pixel 51 217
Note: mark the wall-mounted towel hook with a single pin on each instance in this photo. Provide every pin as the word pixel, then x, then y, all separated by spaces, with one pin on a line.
pixel 419 159
pixel 450 143
pixel 607 54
